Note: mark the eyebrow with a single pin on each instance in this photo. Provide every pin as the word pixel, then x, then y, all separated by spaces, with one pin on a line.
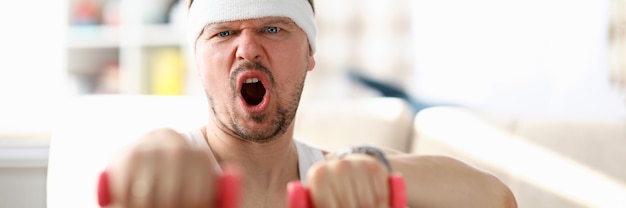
pixel 210 28
pixel 226 25
pixel 279 21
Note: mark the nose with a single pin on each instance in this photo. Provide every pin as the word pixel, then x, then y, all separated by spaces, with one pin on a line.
pixel 248 47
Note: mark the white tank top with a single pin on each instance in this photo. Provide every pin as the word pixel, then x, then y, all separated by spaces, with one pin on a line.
pixel 307 155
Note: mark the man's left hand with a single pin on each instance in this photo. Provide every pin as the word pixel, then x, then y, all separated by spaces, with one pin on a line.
pixel 355 180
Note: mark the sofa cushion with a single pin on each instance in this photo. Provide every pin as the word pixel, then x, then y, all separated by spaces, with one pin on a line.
pixel 596 144
pixel 547 162
pixel 334 124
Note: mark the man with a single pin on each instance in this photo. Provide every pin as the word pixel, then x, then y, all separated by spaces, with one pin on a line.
pixel 253 57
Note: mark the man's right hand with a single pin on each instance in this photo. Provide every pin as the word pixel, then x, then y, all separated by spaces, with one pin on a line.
pixel 162 170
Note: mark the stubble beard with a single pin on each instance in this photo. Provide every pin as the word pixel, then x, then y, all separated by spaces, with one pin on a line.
pixel 279 119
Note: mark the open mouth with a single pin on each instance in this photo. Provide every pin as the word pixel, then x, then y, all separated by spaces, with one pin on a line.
pixel 253 91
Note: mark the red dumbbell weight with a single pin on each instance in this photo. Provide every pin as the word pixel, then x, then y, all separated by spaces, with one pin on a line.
pixel 228 190
pixel 298 195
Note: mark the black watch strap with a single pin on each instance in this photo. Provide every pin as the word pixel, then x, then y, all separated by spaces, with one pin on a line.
pixel 368 150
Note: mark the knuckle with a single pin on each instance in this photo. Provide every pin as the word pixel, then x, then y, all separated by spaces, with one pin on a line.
pixel 138 159
pixel 164 136
pixel 375 168
pixel 177 152
pixel 343 165
pixel 161 132
pixel 131 157
pixel 317 172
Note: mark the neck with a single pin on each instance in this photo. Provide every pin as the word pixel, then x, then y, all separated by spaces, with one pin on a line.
pixel 267 165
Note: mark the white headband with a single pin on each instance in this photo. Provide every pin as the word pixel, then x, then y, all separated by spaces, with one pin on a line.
pixel 204 12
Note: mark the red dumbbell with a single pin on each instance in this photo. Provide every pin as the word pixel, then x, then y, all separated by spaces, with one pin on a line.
pixel 299 197
pixel 228 190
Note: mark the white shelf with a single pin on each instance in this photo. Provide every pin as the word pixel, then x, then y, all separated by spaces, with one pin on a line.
pixel 95 37
pixel 130 44
pixel 160 35
pixel 85 37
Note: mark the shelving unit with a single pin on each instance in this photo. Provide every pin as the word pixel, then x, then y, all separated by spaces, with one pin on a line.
pixel 111 45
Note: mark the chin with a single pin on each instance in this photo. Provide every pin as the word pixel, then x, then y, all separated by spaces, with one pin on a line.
pixel 259 132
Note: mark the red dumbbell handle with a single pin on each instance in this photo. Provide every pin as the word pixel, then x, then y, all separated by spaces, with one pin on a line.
pixel 228 190
pixel 299 197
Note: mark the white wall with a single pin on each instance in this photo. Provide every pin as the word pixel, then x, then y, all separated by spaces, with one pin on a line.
pixel 32 51
pixel 32 47
pixel 533 57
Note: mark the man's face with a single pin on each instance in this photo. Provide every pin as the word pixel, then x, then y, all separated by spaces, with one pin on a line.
pixel 253 72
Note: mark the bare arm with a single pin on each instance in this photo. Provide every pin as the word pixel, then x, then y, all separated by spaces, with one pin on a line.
pixel 439 181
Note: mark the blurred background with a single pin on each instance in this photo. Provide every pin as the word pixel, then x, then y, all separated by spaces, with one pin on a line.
pixel 552 58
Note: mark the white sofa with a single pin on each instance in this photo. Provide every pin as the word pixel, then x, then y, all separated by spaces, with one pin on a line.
pixel 93 128
pixel 547 162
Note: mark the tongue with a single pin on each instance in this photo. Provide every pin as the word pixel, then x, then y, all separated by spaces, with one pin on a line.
pixel 253 93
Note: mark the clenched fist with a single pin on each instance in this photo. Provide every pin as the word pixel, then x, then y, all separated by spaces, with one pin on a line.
pixel 355 180
pixel 162 170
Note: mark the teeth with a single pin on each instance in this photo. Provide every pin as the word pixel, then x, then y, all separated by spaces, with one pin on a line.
pixel 251 80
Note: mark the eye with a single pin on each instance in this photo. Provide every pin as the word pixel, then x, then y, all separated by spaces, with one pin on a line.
pixel 272 30
pixel 224 34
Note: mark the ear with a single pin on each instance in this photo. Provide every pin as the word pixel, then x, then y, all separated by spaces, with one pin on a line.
pixel 311 60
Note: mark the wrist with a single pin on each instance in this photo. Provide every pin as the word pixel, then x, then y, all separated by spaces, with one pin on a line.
pixel 367 150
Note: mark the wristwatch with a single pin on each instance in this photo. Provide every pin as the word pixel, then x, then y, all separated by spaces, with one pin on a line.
pixel 368 150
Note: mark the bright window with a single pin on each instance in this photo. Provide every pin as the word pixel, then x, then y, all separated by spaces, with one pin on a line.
pixel 32 71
